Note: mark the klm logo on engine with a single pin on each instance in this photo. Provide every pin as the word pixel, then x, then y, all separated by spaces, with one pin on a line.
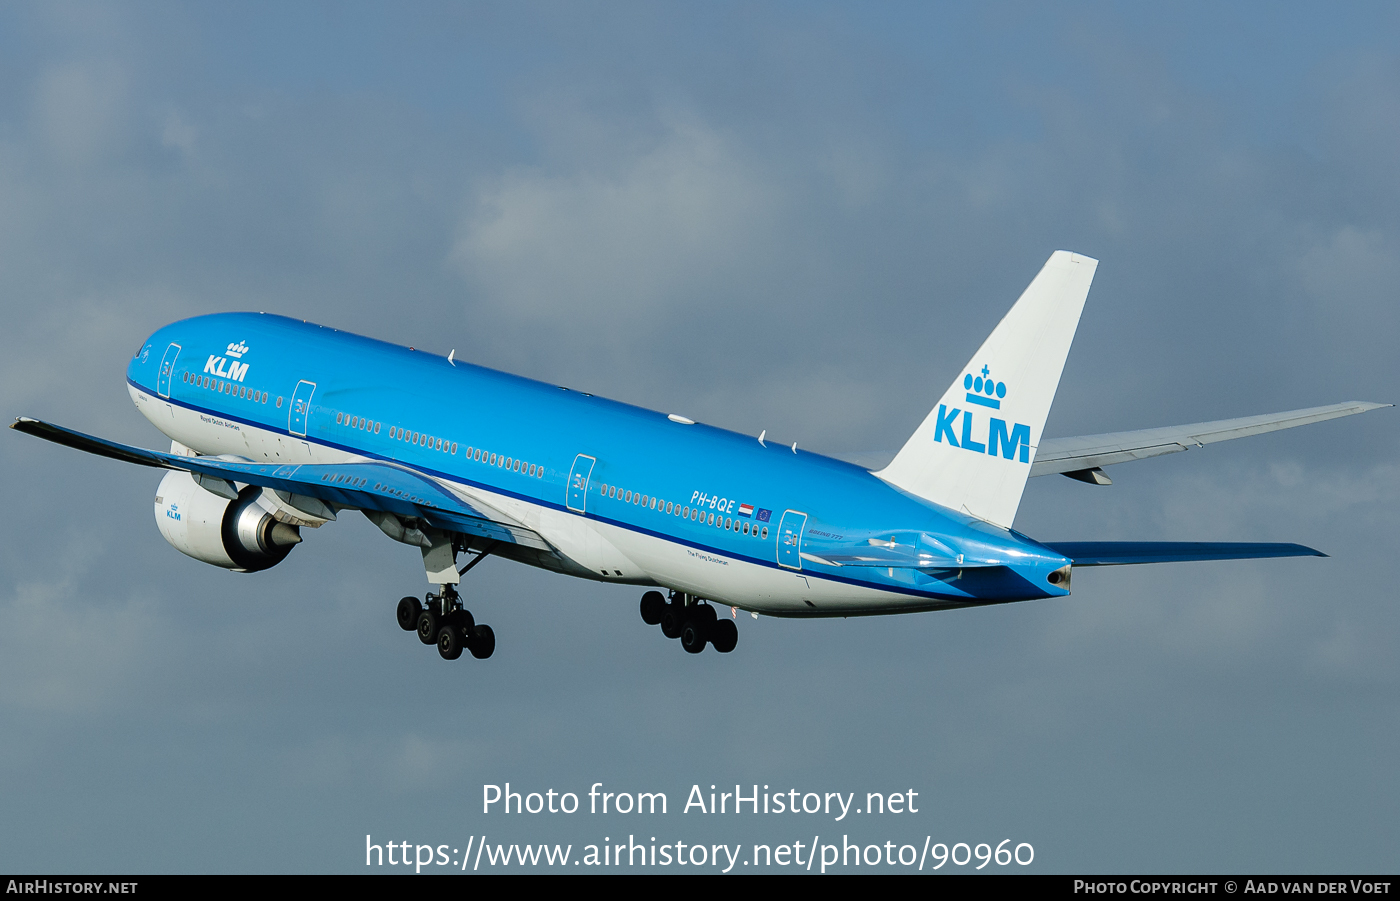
pixel 235 371
pixel 1013 443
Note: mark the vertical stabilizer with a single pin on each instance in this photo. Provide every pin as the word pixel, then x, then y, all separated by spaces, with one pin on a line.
pixel 974 451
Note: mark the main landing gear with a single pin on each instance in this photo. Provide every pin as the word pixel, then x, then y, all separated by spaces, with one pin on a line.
pixel 693 622
pixel 447 624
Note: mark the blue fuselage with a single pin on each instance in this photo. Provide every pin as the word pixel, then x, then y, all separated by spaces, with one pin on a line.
pixel 675 499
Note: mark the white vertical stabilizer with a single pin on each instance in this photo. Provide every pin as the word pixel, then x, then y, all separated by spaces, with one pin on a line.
pixel 975 449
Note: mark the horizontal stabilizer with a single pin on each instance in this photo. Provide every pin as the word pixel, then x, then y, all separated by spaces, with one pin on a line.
pixel 372 485
pixel 1089 452
pixel 1118 553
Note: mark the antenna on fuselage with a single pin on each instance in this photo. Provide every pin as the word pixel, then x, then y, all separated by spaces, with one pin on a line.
pixel 452 354
pixel 760 437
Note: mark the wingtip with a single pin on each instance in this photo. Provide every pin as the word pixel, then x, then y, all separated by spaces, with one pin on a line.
pixel 1070 256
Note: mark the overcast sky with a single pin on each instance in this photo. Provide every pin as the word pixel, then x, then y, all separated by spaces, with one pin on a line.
pixel 795 217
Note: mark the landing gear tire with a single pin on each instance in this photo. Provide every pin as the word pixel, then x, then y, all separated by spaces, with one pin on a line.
pixel 724 635
pixel 408 611
pixel 428 626
pixel 672 620
pixel 449 642
pixel 462 618
pixel 693 635
pixel 653 608
pixel 482 643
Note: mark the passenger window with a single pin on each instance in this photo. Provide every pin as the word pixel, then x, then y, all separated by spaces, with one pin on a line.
pixel 454 448
pixel 279 403
pixel 765 531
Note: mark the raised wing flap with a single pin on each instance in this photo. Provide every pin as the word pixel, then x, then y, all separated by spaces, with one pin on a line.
pixel 1089 451
pixel 381 486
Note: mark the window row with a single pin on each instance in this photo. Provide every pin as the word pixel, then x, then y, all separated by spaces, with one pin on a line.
pixel 446 445
pixel 501 461
pixel 223 387
pixel 418 439
pixel 733 524
pixel 358 422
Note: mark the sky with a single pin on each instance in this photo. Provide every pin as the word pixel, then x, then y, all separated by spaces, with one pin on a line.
pixel 794 217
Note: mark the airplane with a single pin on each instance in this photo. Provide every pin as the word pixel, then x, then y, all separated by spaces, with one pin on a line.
pixel 278 425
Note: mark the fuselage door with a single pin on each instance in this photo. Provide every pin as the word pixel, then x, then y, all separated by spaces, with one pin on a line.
pixel 790 539
pixel 167 369
pixel 577 496
pixel 301 408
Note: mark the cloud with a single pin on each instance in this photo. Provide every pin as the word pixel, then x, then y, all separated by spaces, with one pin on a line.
pixel 621 244
pixel 64 657
pixel 79 108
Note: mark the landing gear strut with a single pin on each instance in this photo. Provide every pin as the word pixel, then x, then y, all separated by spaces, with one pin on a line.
pixel 687 618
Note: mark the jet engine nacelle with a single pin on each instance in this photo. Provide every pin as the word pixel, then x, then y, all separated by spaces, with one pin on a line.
pixel 235 534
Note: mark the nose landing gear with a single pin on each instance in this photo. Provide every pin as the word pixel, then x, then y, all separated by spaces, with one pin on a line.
pixel 694 623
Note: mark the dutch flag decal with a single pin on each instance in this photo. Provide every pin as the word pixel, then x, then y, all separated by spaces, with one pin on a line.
pixel 746 510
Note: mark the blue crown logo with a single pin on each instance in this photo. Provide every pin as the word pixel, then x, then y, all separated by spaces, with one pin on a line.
pixel 983 390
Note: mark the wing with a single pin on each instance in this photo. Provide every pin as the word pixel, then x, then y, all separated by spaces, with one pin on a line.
pixel 1081 458
pixel 1116 553
pixel 372 486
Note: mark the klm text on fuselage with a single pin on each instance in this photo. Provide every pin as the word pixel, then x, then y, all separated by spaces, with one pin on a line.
pixel 234 373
